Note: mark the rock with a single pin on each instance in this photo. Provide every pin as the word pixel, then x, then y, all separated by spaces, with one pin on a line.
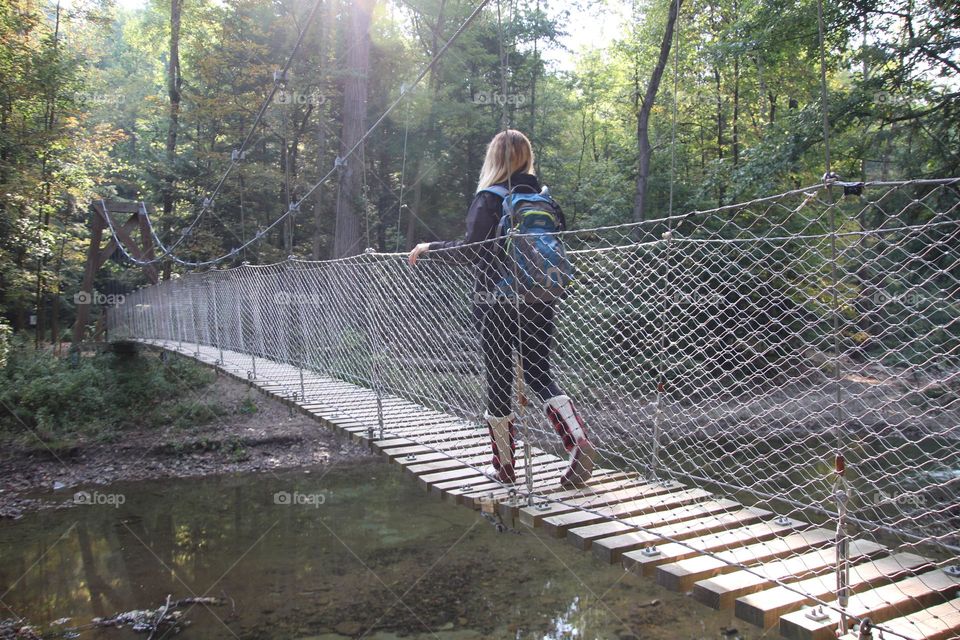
pixel 349 628
pixel 57 485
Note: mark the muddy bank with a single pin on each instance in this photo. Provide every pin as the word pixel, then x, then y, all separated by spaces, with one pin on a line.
pixel 251 432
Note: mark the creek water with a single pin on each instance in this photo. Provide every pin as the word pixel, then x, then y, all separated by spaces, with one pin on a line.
pixel 353 550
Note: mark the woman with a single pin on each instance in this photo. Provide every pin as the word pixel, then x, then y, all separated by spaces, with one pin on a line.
pixel 509 164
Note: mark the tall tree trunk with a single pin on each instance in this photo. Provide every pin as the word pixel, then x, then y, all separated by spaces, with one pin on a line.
pixel 643 116
pixel 720 127
pixel 736 111
pixel 346 241
pixel 174 83
pixel 326 28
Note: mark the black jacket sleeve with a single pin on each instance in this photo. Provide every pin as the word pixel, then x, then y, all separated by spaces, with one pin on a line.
pixel 482 220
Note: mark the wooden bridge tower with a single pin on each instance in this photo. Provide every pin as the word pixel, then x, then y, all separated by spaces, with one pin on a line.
pixel 107 214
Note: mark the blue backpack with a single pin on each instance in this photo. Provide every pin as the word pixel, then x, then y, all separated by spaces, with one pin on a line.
pixel 533 261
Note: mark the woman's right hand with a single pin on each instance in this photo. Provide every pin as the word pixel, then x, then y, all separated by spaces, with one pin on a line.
pixel 418 251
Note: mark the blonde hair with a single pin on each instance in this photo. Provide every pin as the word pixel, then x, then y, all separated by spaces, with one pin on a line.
pixel 507 146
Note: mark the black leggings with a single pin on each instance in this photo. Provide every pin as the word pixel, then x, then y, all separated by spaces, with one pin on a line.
pixel 500 335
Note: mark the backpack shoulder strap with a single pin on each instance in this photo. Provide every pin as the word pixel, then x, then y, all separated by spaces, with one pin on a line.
pixel 496 189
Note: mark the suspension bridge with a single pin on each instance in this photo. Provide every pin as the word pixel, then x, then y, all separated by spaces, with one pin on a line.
pixel 772 388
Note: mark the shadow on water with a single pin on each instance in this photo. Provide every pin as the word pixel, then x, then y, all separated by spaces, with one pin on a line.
pixel 345 553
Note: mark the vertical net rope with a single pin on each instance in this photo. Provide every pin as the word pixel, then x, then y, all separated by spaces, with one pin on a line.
pixel 741 342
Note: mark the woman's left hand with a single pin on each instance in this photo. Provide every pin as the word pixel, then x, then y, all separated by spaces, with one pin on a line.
pixel 418 251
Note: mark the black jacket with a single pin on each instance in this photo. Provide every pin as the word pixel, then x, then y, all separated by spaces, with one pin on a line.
pixel 483 217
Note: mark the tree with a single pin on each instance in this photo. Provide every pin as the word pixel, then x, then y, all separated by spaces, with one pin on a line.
pixel 350 205
pixel 644 149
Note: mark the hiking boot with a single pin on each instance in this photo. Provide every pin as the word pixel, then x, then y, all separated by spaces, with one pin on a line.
pixel 569 426
pixel 503 440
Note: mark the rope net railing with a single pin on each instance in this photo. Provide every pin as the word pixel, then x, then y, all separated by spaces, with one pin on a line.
pixel 747 351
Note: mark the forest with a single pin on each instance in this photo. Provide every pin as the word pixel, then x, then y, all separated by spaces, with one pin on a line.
pixel 374 134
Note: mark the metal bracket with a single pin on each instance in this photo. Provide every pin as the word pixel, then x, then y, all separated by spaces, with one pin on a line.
pixel 411 456
pixel 953 570
pixel 650 552
pixel 782 521
pixel 817 614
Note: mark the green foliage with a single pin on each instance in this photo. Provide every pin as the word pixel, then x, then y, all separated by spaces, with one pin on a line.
pixel 49 399
pixel 248 406
pixel 85 113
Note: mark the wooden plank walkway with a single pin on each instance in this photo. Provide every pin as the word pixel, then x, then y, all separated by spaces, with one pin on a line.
pixel 689 540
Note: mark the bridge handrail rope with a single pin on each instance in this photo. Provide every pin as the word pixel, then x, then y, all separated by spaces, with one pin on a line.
pixel 765 298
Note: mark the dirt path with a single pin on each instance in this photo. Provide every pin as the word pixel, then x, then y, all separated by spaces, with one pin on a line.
pixel 255 433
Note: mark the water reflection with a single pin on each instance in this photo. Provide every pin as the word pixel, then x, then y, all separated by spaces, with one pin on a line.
pixel 373 557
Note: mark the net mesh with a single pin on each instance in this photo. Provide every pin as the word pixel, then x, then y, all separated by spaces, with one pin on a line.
pixel 740 351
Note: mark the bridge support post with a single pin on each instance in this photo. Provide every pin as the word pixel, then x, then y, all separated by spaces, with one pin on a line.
pixel 667 238
pixel 217 319
pixel 194 321
pixel 178 307
pixel 375 345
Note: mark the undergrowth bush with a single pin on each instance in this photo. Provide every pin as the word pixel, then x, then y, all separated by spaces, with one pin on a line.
pixel 95 396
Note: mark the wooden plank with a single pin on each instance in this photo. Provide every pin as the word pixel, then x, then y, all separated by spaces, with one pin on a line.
pixel 643 563
pixel 534 516
pixel 546 477
pixel 557 526
pixel 553 491
pixel 437 456
pixel 432 440
pixel 455 490
pixel 404 447
pixel 904 596
pixel 612 549
pixel 764 608
pixel 466 475
pixel 462 459
pixel 680 576
pixel 453 430
pixel 939 622
pixel 721 591
pixel 583 537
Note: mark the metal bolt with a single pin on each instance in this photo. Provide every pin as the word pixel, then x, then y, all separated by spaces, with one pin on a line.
pixel 817 614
